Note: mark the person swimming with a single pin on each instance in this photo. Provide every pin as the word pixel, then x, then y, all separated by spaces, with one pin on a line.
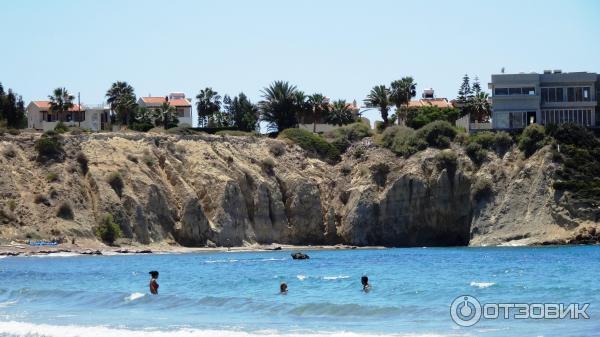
pixel 283 288
pixel 153 282
pixel 365 283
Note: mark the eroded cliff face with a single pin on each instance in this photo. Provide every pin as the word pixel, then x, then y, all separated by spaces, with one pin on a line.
pixel 230 191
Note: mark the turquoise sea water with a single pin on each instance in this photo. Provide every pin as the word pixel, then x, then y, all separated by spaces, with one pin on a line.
pixel 222 294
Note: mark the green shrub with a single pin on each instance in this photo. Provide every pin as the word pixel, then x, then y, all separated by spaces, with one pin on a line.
pixel 65 211
pixel 476 153
pixel 141 127
pixel 277 148
pixel 268 164
pixel 178 130
pixel 10 151
pixel 401 140
pixel 148 159
pixel 437 134
pixel 116 182
pixel 61 127
pixel 49 145
pixel 14 132
pixel 499 142
pixel 481 188
pixel 345 170
pixel 51 177
pixel 132 158
pixel 108 231
pixel 344 136
pixel 417 118
pixel 75 130
pixel 532 139
pixel 379 173
pixel 447 159
pixel 82 160
pixel 312 143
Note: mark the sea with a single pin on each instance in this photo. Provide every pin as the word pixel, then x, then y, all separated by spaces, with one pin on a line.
pixel 237 293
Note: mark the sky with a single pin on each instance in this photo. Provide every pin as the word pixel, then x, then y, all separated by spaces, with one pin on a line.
pixel 341 48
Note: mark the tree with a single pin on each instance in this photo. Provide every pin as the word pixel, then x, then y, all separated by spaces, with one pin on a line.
pixel 2 95
pixel 319 106
pixel 12 109
pixel 400 94
pixel 209 103
pixel 465 90
pixel 165 116
pixel 379 98
pixel 60 102
pixel 476 88
pixel 122 101
pixel 340 113
pixel 280 106
pixel 479 107
pixel 242 113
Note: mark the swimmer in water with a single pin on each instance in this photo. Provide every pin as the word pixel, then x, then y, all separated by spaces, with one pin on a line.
pixel 153 282
pixel 365 283
pixel 283 289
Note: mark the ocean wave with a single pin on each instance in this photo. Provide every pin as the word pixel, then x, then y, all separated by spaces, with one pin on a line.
pixel 301 277
pixel 482 285
pixel 59 254
pixel 22 329
pixel 340 277
pixel 134 296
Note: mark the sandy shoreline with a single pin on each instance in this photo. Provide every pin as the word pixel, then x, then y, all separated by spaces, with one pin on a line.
pixel 94 248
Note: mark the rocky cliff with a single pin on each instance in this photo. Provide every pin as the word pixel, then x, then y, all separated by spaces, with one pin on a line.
pixel 204 190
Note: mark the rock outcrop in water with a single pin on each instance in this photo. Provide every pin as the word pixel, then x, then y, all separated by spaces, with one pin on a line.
pixel 229 191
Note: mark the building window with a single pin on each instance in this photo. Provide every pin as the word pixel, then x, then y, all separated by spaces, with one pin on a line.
pixel 587 94
pixel 501 91
pixel 515 91
pixel 529 91
pixel 559 95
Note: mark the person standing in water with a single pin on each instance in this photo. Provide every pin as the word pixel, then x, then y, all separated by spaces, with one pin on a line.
pixel 365 283
pixel 153 282
pixel 283 289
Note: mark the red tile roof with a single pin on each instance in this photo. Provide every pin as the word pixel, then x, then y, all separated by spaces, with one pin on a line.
pixel 439 102
pixel 46 105
pixel 160 100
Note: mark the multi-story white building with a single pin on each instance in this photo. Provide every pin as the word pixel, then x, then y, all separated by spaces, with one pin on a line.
pixel 183 106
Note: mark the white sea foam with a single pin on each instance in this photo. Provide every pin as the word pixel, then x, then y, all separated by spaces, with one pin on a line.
pixel 336 277
pixel 59 254
pixel 134 296
pixel 28 329
pixel 482 285
pixel 301 277
pixel 7 303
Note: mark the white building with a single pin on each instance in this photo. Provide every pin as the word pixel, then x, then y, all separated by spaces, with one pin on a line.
pixel 40 117
pixel 183 106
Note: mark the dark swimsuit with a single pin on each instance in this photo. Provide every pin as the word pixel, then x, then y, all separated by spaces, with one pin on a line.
pixel 154 286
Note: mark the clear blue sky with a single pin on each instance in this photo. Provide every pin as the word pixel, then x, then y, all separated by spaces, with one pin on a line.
pixel 341 48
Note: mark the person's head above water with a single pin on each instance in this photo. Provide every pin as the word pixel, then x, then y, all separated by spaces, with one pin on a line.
pixel 154 274
pixel 364 280
pixel 283 288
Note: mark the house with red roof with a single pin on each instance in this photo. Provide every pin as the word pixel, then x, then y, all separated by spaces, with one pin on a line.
pixel 183 106
pixel 41 117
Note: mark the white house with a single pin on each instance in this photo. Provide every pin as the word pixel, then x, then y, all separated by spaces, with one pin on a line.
pixel 183 106
pixel 40 117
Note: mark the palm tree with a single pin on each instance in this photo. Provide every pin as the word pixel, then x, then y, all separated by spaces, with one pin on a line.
pixel 379 98
pixel 340 113
pixel 400 94
pixel 280 105
pixel 319 106
pixel 209 103
pixel 165 116
pixel 479 106
pixel 121 98
pixel 60 102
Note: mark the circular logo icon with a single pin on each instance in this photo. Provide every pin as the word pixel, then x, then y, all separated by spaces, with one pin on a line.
pixel 465 310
